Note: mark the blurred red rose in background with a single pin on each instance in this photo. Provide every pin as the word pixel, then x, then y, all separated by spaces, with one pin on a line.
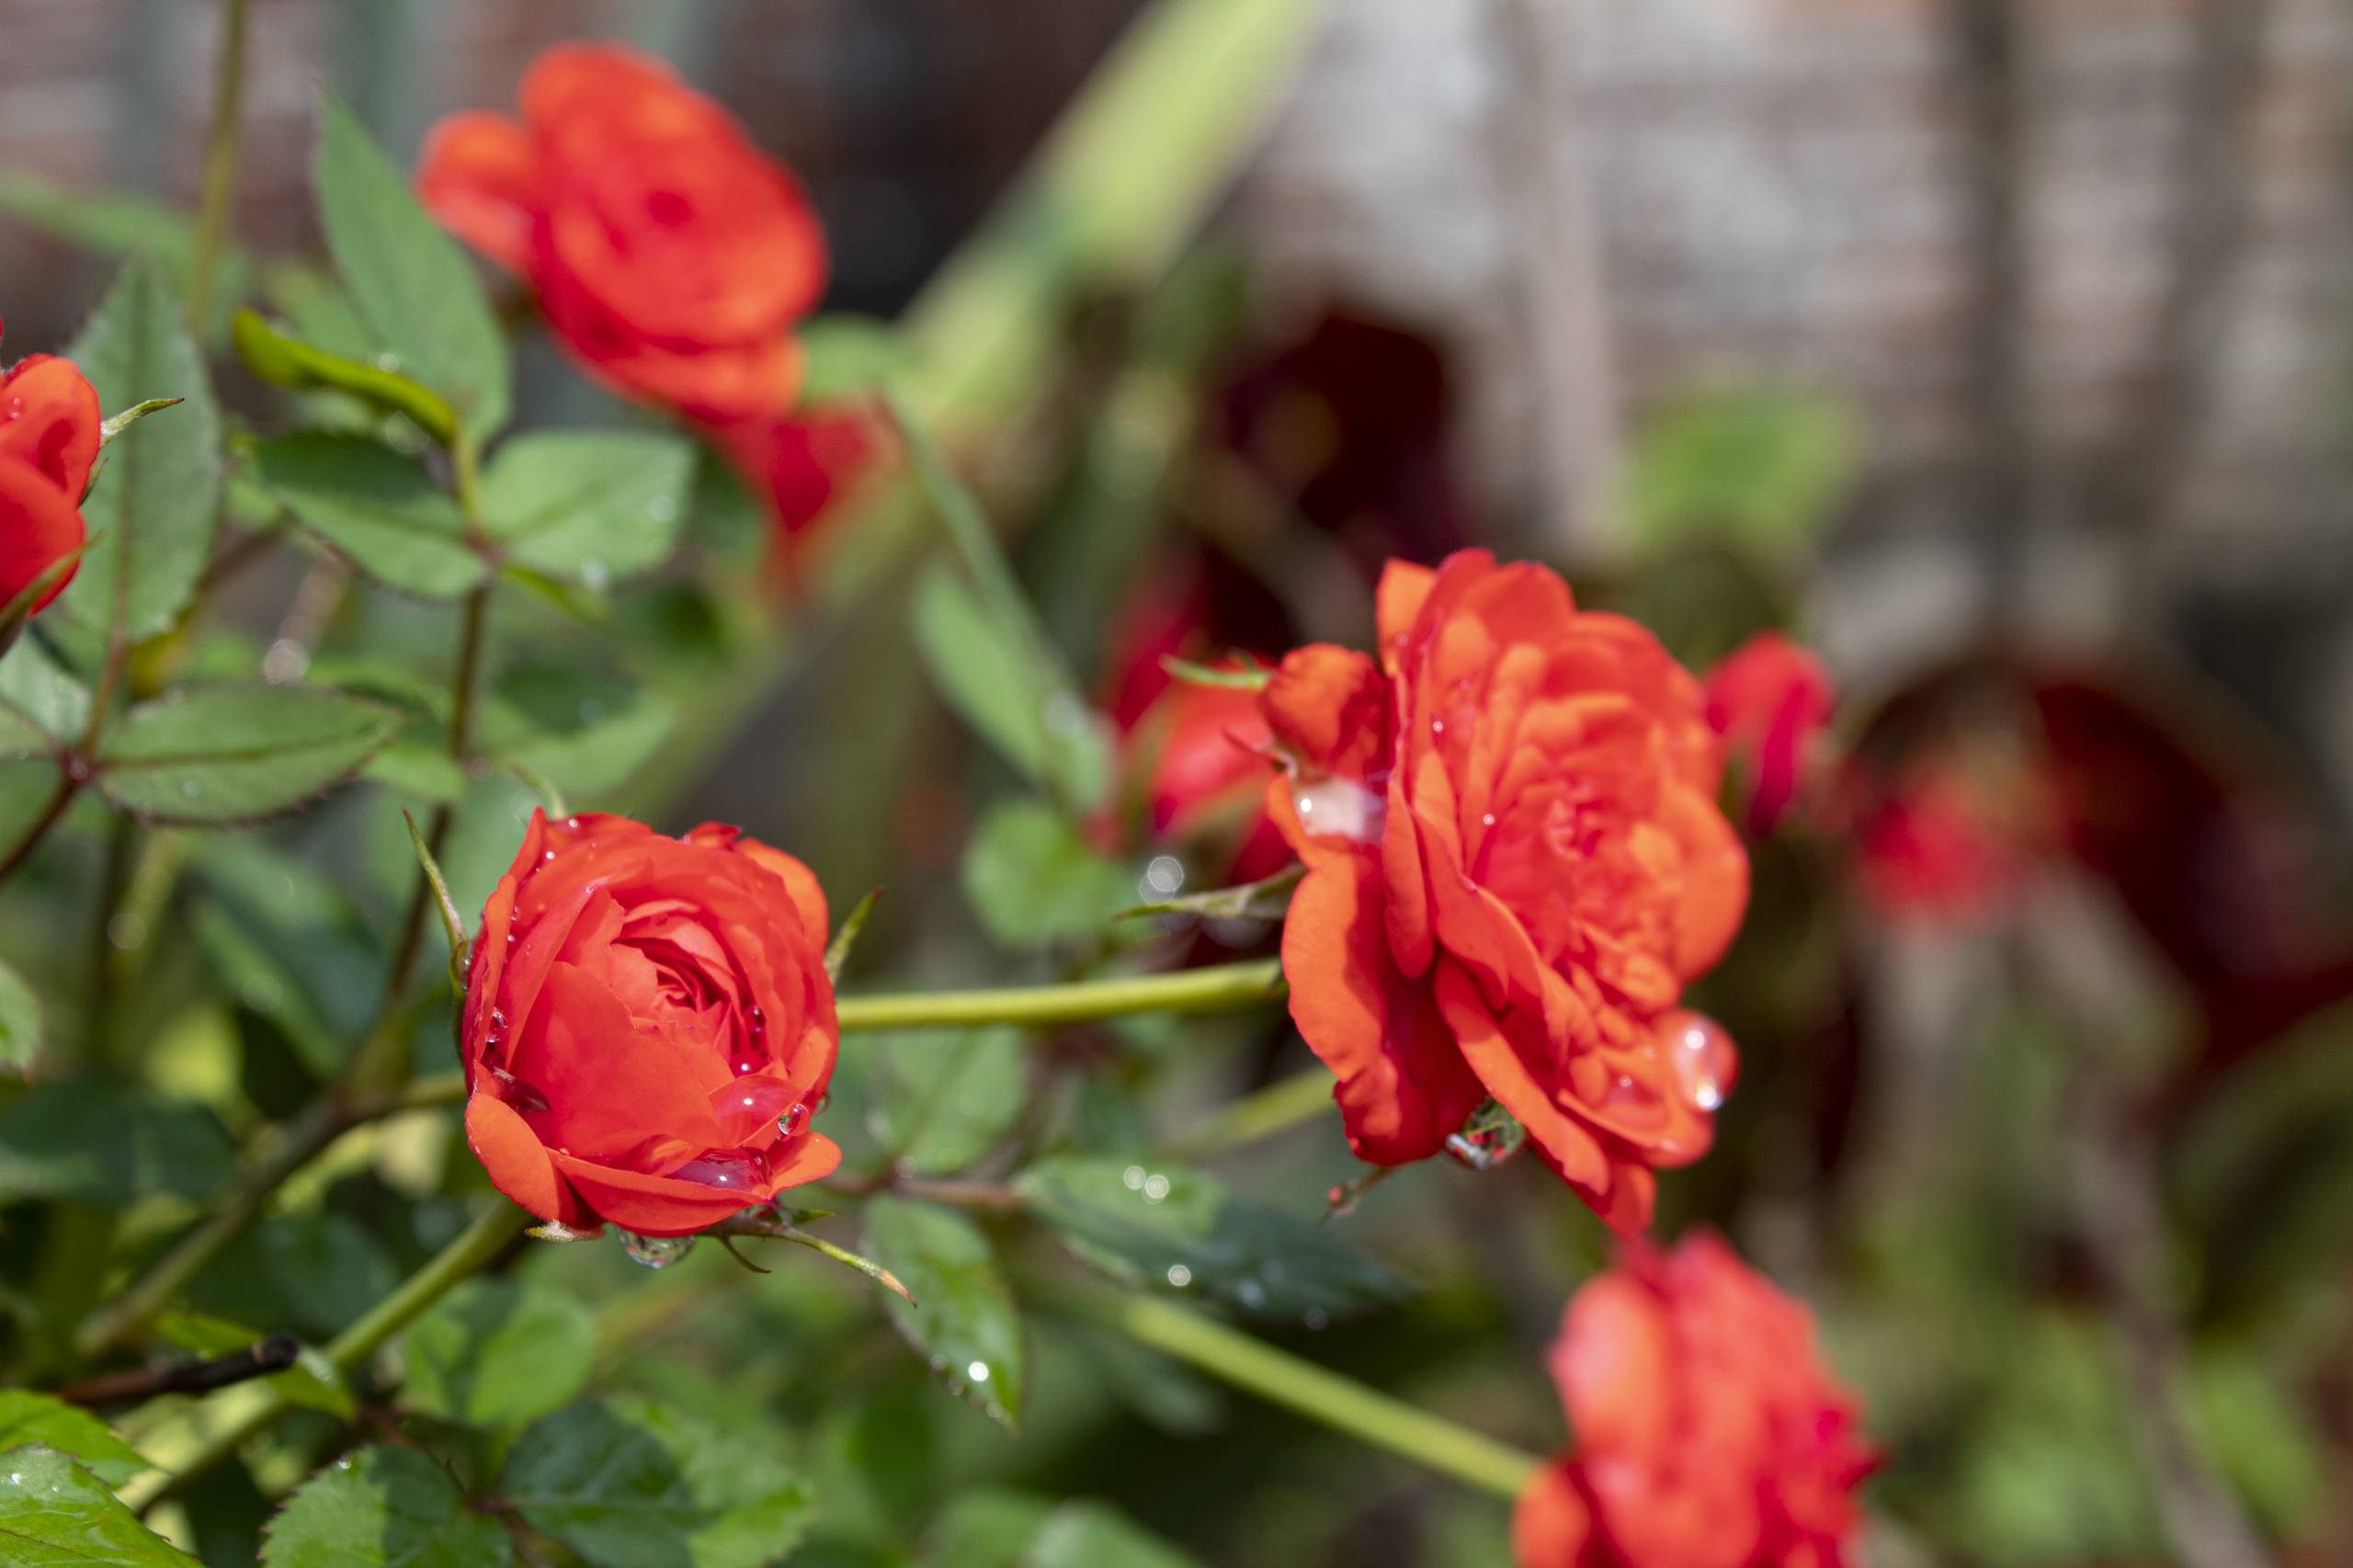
pixel 648 1026
pixel 1514 862
pixel 1707 1432
pixel 794 468
pixel 49 440
pixel 671 255
pixel 1768 698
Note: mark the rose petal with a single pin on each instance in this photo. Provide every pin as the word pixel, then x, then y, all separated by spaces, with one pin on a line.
pixel 519 1163
pixel 480 176
pixel 1401 1086
pixel 39 526
pixel 1551 1525
pixel 52 420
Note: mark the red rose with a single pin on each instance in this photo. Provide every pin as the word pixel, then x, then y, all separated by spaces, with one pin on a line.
pixel 49 439
pixel 1769 699
pixel 795 467
pixel 1514 862
pixel 669 254
pixel 1709 1433
pixel 648 1026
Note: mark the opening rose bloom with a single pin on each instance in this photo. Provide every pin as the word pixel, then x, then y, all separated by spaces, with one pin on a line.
pixel 49 440
pixel 1514 862
pixel 648 1026
pixel 1770 699
pixel 671 255
pixel 1709 1433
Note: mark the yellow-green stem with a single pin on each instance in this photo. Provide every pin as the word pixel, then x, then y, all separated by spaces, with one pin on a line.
pixel 1322 1397
pixel 220 162
pixel 1262 1113
pixel 243 1412
pixel 1221 988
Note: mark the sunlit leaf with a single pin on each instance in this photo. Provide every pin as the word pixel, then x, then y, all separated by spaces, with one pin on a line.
pixel 938 1099
pixel 496 1353
pixel 589 507
pixel 1032 880
pixel 1147 1222
pixel 29 1417
pixel 630 1483
pixel 156 499
pixel 963 1320
pixel 53 1514
pixel 412 283
pixel 375 506
pixel 231 754
pixel 383 1507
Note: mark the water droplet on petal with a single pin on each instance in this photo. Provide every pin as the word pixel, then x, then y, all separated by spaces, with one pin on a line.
pixel 655 1252
pixel 1488 1137
pixel 1706 1064
pixel 737 1170
pixel 1340 808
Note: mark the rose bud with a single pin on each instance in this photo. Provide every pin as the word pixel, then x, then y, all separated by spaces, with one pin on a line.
pixel 670 254
pixel 1707 1432
pixel 1514 862
pixel 648 1027
pixel 49 440
pixel 1769 699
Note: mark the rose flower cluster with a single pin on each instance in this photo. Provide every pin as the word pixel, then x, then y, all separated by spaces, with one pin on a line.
pixel 1506 817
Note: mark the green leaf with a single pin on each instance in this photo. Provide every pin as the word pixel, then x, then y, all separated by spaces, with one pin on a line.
pixel 1012 1529
pixel 28 1417
pixel 495 1354
pixel 589 507
pixel 1768 468
pixel 108 1144
pixel 963 1320
pixel 157 497
pixel 844 355
pixel 941 1098
pixel 53 1514
pixel 232 754
pixel 1008 694
pixel 584 757
pixel 384 1508
pixel 1149 1224
pixel 412 284
pixel 378 508
pixel 289 362
pixel 19 1023
pixel 628 1484
pixel 1266 899
pixel 1032 880
pixel 41 707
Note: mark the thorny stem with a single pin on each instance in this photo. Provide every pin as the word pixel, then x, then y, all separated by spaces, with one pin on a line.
pixel 1323 1396
pixel 260 1407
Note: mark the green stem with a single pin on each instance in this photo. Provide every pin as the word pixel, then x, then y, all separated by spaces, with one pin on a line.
pixel 1280 1105
pixel 1221 988
pixel 220 161
pixel 1322 1397
pixel 249 1409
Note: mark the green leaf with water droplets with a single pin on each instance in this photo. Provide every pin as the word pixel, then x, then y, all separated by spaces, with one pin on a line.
pixel 495 1354
pixel 375 506
pixel 589 507
pixel 155 497
pixel 207 756
pixel 29 1417
pixel 53 1514
pixel 414 285
pixel 630 1483
pixel 383 1507
pixel 963 1320
pixel 1145 1223
pixel 938 1099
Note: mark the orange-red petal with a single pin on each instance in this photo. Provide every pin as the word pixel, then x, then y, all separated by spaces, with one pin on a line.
pixel 480 176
